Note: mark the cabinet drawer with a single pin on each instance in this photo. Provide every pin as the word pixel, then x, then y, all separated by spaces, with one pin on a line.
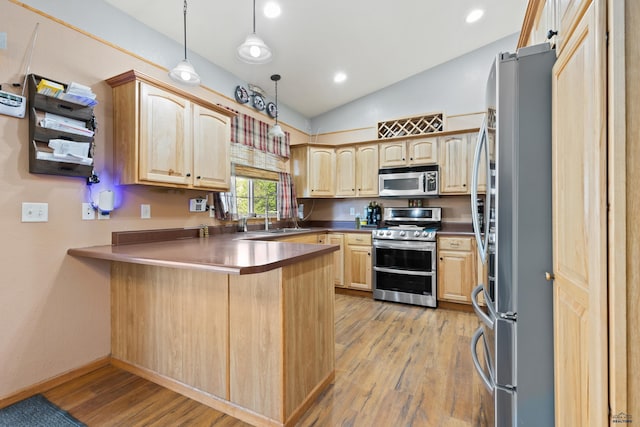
pixel 454 243
pixel 359 239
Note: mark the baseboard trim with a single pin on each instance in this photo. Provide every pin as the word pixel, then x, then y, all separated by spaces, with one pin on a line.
pixel 354 292
pixel 46 385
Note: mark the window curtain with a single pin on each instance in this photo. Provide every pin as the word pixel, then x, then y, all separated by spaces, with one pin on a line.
pixel 287 196
pixel 251 132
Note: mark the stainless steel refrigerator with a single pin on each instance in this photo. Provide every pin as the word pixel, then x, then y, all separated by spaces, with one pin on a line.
pixel 513 348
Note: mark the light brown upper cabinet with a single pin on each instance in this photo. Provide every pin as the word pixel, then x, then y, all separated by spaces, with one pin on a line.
pixel 367 170
pixel 346 171
pixel 455 162
pixel 166 137
pixel 327 171
pixel 314 170
pixel 422 151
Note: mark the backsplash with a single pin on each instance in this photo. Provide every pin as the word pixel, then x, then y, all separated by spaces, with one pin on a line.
pixel 455 209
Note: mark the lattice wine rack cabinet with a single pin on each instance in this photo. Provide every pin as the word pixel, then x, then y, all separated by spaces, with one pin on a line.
pixel 419 125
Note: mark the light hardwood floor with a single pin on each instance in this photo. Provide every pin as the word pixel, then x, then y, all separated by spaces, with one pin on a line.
pixel 396 365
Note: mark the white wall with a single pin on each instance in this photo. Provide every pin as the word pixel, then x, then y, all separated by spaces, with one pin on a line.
pixel 455 87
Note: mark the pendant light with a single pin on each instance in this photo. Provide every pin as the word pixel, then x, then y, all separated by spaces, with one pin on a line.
pixel 276 131
pixel 254 50
pixel 184 72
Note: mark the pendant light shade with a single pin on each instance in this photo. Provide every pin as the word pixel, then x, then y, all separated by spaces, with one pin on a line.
pixel 254 50
pixel 184 72
pixel 276 131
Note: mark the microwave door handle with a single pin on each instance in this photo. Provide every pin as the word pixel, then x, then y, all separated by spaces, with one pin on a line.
pixel 482 247
pixel 423 177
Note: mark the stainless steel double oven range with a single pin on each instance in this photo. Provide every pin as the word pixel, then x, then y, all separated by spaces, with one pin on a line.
pixel 404 256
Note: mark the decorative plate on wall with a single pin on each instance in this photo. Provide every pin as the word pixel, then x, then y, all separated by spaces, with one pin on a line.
pixel 272 110
pixel 258 102
pixel 242 96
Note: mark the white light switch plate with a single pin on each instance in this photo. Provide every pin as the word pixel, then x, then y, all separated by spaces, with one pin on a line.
pixel 35 212
pixel 145 211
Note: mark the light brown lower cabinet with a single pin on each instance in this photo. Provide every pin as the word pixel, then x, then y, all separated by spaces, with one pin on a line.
pixel 357 261
pixel 457 268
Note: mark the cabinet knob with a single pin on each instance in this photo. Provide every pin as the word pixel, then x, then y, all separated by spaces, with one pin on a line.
pixel 410 158
pixel 549 276
pixel 551 33
pixel 188 175
pixel 198 177
pixel 441 259
pixel 464 185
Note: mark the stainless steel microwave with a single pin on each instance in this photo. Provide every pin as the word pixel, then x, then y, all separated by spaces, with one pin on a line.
pixel 418 181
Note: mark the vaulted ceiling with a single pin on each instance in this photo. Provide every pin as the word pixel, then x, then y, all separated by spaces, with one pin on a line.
pixel 374 42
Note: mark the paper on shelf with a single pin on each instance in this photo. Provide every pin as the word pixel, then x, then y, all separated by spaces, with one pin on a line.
pixel 50 123
pixel 63 147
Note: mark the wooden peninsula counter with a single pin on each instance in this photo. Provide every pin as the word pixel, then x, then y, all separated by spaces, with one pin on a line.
pixel 243 326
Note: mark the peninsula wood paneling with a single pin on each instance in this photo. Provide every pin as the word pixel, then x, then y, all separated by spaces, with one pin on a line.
pixel 309 352
pixel 173 322
pixel 255 377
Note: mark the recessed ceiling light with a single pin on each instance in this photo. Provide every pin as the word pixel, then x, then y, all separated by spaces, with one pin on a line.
pixel 339 77
pixel 272 10
pixel 474 15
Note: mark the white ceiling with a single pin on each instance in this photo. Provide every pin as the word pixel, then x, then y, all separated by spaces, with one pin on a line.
pixel 375 42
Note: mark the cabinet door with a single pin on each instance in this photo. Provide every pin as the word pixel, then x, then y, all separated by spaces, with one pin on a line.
pixel 393 154
pixel 454 166
pixel 423 151
pixel 457 272
pixel 482 168
pixel 211 157
pixel 346 171
pixel 165 136
pixel 321 171
pixel 367 170
pixel 579 209
pixel 358 267
pixel 338 258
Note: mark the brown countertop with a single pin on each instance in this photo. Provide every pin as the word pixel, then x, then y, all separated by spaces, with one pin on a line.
pixel 225 253
pixel 456 228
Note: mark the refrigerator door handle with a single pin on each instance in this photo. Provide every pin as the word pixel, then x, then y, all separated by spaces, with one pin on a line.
pixel 488 383
pixel 482 243
pixel 488 320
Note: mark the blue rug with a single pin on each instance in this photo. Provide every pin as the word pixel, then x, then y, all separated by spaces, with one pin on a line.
pixel 36 411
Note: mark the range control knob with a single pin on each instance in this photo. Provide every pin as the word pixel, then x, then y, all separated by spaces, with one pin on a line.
pixel 388 232
pixel 416 234
pixel 425 233
pixel 402 233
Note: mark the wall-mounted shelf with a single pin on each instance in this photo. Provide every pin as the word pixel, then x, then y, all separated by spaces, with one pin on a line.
pixel 72 121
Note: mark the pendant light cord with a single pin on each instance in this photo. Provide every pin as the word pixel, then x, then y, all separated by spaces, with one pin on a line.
pixel 185 29
pixel 254 16
pixel 277 112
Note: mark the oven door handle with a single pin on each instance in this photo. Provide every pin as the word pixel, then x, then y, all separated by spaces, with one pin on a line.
pixel 405 272
pixel 405 245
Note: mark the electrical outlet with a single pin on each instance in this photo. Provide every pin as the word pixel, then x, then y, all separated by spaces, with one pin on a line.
pixel 88 213
pixel 103 215
pixel 35 212
pixel 145 211
pixel 352 211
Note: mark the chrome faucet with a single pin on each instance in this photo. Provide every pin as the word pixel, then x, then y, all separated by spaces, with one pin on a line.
pixel 266 214
pixel 243 223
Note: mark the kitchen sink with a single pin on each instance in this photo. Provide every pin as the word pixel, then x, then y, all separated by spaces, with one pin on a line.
pixel 287 230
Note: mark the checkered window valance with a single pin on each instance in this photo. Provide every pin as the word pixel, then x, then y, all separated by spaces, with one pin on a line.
pixel 247 130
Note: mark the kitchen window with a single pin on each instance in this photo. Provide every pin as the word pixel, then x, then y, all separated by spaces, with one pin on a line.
pixel 255 196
